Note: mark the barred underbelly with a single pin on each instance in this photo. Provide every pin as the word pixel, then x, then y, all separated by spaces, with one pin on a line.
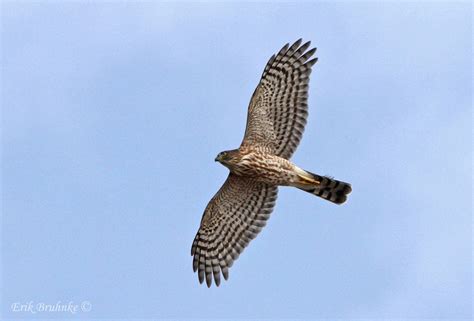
pixel 269 169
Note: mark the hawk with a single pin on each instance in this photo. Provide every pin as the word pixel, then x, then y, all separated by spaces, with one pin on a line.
pixel 275 122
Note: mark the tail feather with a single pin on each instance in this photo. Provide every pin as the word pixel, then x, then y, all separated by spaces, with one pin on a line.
pixel 327 188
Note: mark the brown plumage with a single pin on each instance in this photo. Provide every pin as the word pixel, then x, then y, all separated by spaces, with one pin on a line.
pixel 275 123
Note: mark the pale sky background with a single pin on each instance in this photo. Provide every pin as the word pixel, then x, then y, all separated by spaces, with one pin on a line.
pixel 112 114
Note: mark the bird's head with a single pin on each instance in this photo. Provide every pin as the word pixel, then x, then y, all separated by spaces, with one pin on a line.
pixel 225 157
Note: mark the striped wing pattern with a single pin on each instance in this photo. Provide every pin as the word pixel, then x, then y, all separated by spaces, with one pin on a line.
pixel 233 217
pixel 278 109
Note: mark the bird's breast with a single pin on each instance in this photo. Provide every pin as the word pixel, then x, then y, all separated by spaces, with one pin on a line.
pixel 266 168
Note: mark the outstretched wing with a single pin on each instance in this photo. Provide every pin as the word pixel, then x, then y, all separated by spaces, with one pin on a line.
pixel 233 217
pixel 278 109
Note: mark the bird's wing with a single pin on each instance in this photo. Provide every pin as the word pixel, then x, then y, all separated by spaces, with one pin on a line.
pixel 278 109
pixel 233 217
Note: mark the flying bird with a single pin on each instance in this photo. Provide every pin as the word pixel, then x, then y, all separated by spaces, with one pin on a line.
pixel 275 123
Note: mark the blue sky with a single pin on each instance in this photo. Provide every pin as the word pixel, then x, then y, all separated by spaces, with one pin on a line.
pixel 112 114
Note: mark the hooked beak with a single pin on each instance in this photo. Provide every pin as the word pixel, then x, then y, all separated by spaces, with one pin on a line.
pixel 217 159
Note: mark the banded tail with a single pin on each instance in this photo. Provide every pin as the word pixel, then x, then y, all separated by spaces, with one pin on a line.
pixel 325 187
